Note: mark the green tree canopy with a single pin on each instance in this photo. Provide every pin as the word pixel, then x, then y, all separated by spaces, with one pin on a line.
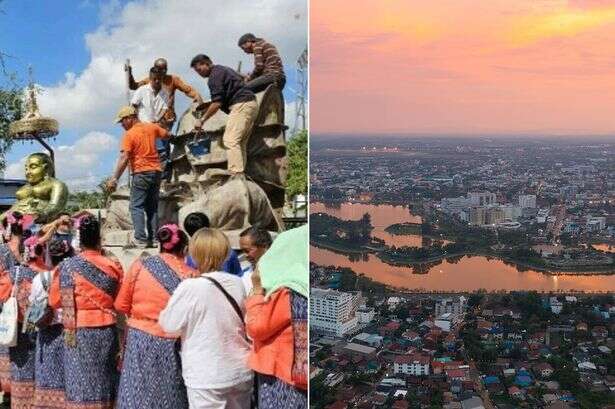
pixel 10 110
pixel 298 170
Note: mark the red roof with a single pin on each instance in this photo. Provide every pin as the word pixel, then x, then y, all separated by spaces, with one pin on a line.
pixel 456 373
pixel 412 359
pixel 392 326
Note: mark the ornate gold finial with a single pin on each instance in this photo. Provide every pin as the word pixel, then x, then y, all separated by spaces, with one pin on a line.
pixel 31 104
pixel 33 126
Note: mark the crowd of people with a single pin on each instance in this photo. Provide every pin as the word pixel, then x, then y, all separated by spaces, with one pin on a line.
pixel 150 117
pixel 189 326
pixel 193 325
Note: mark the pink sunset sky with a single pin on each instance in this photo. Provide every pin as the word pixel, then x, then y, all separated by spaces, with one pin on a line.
pixel 462 66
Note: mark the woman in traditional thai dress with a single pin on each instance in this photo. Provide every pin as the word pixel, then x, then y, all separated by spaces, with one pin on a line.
pixel 49 364
pixel 85 288
pixel 10 254
pixel 151 371
pixel 19 279
pixel 276 320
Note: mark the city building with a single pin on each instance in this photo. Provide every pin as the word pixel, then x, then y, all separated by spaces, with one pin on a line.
pixel 447 321
pixel 494 215
pixel 332 312
pixel 456 306
pixel 477 215
pixel 365 315
pixel 527 201
pixel 415 365
pixel 482 198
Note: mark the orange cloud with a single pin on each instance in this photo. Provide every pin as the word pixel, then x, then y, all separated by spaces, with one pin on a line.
pixel 462 66
pixel 564 23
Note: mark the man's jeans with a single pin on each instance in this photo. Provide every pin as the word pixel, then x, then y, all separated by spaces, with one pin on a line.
pixel 261 83
pixel 144 204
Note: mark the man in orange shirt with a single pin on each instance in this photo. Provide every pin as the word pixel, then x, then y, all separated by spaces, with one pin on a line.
pixel 138 150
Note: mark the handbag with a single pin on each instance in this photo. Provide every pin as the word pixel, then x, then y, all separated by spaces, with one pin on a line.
pixel 9 316
pixel 233 302
pixel 39 314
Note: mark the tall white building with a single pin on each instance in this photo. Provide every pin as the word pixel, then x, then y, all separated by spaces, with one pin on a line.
pixel 332 312
pixel 482 198
pixel 527 201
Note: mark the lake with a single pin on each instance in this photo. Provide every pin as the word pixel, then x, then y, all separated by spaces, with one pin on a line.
pixel 469 273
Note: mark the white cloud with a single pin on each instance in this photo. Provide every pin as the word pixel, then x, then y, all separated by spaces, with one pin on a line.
pixel 176 30
pixel 80 163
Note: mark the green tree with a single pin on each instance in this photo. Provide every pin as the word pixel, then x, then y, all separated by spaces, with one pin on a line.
pixel 297 149
pixel 10 106
pixel 10 110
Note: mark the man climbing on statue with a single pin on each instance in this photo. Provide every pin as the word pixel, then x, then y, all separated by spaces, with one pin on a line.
pixel 152 109
pixel 268 68
pixel 170 83
pixel 228 93
pixel 138 150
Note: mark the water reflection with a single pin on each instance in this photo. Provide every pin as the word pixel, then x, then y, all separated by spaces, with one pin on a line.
pixel 609 248
pixel 462 273
pixel 457 273
pixel 382 217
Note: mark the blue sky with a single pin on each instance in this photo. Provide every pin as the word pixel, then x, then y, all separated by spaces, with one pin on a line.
pixel 76 49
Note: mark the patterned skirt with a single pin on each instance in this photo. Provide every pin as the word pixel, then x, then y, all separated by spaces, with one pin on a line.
pixel 49 368
pixel 274 393
pixel 22 370
pixel 5 370
pixel 90 369
pixel 151 373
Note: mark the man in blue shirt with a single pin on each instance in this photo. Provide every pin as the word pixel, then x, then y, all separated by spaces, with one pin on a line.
pixel 196 221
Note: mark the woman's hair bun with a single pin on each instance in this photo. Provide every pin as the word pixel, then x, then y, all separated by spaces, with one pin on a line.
pixel 164 235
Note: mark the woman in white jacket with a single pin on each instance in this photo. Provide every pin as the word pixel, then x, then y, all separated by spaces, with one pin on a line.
pixel 207 312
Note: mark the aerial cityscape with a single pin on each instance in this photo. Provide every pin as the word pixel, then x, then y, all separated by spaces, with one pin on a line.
pixel 543 208
pixel 462 272
pixel 462 218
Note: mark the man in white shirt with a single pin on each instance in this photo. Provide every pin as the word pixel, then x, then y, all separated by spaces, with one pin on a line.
pixel 152 102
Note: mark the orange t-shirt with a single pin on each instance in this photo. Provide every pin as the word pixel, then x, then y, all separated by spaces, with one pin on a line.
pixel 139 143
pixel 141 297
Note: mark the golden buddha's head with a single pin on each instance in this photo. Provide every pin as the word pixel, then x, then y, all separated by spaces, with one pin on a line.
pixel 38 167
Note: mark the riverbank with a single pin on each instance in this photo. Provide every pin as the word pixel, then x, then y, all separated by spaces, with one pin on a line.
pixel 369 284
pixel 404 262
pixel 403 229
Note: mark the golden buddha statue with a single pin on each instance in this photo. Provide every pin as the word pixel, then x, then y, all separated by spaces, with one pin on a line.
pixel 44 196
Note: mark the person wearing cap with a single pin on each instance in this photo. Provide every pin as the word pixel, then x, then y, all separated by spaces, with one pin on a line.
pixel 138 150
pixel 228 93
pixel 268 67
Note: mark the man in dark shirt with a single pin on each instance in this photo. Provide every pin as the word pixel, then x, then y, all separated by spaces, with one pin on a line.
pixel 268 68
pixel 228 93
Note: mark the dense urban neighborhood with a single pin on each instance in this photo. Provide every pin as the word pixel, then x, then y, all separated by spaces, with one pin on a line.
pixel 545 204
pixel 377 348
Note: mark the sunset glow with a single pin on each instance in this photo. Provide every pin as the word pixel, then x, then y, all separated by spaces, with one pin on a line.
pixel 463 66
